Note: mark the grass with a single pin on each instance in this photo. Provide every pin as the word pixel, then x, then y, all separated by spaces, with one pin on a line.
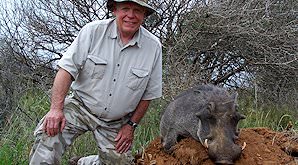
pixel 16 138
pixel 149 126
pixel 271 116
pixel 15 143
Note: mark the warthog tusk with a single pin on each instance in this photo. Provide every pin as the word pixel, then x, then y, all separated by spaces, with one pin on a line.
pixel 243 147
pixel 206 143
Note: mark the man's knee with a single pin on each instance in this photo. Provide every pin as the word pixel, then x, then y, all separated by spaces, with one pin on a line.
pixel 46 150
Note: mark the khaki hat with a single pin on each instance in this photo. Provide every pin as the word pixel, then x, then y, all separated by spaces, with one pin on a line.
pixel 143 3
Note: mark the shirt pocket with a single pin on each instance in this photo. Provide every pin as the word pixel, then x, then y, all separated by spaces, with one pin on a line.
pixel 137 78
pixel 95 66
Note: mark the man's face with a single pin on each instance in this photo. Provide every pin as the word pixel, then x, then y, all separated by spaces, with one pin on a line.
pixel 129 17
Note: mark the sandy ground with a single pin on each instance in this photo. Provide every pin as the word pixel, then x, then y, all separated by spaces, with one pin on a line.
pixel 264 147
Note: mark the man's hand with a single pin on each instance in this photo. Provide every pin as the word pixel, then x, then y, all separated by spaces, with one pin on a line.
pixel 54 122
pixel 124 139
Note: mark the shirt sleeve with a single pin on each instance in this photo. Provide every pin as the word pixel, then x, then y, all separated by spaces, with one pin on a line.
pixel 154 87
pixel 75 56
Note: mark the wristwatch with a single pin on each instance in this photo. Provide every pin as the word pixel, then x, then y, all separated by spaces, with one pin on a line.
pixel 133 124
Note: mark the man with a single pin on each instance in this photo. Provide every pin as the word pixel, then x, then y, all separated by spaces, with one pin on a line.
pixel 114 69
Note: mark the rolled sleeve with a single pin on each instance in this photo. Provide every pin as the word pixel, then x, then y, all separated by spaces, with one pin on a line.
pixel 154 87
pixel 75 56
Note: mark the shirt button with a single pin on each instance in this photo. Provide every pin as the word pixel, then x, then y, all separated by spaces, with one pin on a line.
pixel 118 64
pixel 114 80
pixel 106 109
pixel 110 94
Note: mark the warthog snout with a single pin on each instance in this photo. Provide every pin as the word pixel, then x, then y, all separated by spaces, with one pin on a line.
pixel 224 154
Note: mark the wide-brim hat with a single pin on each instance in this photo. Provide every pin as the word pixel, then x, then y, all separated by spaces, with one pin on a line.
pixel 144 3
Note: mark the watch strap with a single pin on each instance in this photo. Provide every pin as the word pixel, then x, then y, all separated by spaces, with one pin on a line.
pixel 131 123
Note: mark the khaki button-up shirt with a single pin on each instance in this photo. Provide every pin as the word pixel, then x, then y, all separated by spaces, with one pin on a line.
pixel 111 78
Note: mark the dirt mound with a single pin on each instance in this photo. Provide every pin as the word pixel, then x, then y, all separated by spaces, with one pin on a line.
pixel 264 147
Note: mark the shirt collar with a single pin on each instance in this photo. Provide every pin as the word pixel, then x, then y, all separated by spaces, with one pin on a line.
pixel 113 30
pixel 135 40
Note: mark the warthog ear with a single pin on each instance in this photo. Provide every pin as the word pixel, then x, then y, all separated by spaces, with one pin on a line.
pixel 210 108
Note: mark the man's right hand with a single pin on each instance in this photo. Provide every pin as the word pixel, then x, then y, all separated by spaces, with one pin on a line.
pixel 54 122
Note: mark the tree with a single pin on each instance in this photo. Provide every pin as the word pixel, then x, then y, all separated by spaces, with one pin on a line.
pixel 15 79
pixel 41 30
pixel 225 42
pixel 238 43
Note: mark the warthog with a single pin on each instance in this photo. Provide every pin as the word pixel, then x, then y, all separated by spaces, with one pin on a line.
pixel 208 114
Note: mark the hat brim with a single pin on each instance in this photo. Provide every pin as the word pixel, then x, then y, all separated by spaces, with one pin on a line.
pixel 149 11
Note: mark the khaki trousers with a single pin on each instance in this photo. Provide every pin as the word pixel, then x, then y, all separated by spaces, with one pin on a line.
pixel 49 150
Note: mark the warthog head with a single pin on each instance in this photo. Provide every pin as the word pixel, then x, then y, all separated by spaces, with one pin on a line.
pixel 218 130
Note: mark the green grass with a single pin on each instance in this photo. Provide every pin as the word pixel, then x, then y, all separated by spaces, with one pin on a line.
pixel 271 116
pixel 16 138
pixel 15 144
pixel 149 126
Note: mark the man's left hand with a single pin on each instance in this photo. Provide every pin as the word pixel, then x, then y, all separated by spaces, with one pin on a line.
pixel 124 139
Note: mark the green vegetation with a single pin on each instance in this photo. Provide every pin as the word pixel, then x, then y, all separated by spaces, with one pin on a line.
pixel 16 138
pixel 269 115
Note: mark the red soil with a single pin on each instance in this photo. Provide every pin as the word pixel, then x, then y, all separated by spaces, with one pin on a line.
pixel 264 147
